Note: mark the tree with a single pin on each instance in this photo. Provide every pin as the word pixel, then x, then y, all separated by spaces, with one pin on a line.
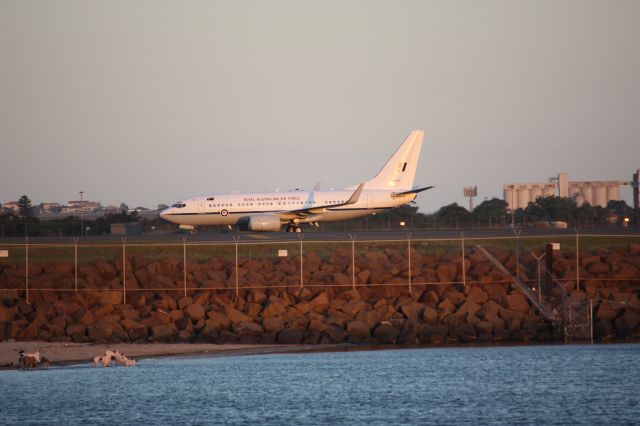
pixel 162 207
pixel 124 207
pixel 24 207
pixel 453 215
pixel 494 210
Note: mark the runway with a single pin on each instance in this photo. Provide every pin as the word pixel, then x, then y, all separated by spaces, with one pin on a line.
pixel 266 237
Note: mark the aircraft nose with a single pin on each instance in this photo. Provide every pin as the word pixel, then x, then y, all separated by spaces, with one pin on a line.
pixel 164 214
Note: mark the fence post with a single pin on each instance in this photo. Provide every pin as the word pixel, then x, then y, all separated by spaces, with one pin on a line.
pixel 75 262
pixel 464 272
pixel 591 319
pixel 124 270
pixel 353 260
pixel 409 258
pixel 301 277
pixel 26 268
pixel 184 265
pixel 577 261
pixel 517 254
pixel 237 278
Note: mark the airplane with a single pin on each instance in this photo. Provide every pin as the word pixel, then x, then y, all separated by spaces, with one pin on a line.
pixel 271 211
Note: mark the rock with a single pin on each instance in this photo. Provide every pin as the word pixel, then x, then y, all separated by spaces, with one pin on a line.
pixel 7 314
pixel 99 333
pixel 433 333
pixel 465 332
pixel 131 314
pixel 111 297
pixel 430 315
pixel 628 321
pixel 76 329
pixel 454 297
pixel 320 303
pixel 517 302
pixel 236 316
pixel 108 319
pixel 290 336
pixel 129 324
pixel 273 324
pixel 603 329
pixel 184 302
pixel 358 332
pixel 599 268
pixel 336 334
pixel 468 307
pixel 477 295
pixel 163 333
pixel 274 308
pixel 608 310
pixel 386 333
pixel 218 320
pixel 195 312
pixel 257 296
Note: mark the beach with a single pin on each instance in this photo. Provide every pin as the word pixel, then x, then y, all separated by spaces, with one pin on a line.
pixel 77 353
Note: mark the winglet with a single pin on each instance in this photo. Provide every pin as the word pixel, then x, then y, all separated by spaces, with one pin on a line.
pixel 354 198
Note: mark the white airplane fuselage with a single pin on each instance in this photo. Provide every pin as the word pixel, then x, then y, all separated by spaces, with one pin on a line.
pixel 269 211
pixel 229 209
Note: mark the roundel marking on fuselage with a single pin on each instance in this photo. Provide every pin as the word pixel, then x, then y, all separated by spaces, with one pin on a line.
pixel 223 212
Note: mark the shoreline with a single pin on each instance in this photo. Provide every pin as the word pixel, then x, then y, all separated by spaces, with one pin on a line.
pixel 65 354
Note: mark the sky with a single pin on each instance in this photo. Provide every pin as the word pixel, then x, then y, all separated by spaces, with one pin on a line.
pixel 150 102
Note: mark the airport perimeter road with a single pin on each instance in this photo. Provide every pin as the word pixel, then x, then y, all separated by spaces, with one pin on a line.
pixel 257 237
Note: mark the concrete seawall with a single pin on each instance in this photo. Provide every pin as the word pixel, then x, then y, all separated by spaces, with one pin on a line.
pixel 445 303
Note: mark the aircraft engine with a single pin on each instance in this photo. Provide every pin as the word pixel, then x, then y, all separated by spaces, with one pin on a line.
pixel 264 222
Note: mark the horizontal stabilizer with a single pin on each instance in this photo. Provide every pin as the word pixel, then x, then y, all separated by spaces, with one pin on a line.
pixel 413 191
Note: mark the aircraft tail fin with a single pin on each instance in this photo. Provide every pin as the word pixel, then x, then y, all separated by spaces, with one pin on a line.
pixel 400 170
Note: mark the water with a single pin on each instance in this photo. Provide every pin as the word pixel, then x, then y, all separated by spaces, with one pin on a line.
pixel 572 384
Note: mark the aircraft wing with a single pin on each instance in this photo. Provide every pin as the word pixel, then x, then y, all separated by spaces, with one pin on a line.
pixel 310 211
pixel 413 191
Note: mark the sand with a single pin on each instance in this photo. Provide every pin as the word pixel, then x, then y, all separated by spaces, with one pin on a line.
pixel 78 353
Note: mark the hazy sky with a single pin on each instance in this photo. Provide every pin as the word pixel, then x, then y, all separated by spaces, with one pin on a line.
pixel 149 102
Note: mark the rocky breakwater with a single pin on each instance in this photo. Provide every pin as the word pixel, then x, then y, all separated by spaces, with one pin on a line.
pixel 326 310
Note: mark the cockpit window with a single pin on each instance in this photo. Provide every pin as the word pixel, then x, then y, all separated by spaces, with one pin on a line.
pixel 210 199
pixel 179 205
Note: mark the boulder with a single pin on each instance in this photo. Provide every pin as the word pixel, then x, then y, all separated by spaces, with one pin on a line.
pixel 184 302
pixel 273 324
pixel 163 332
pixel 195 312
pixel 290 336
pixel 430 315
pixel 386 333
pixel 358 332
pixel 111 297
pixel 517 302
pixel 628 321
pixel 433 333
pixel 235 315
pixel 336 334
pixel 320 303
pixel 275 307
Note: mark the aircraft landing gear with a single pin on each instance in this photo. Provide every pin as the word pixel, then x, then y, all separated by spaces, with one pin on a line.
pixel 293 228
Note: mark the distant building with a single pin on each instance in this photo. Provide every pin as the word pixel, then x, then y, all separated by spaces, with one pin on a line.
pixel 12 206
pixel 50 207
pixel 81 206
pixel 596 193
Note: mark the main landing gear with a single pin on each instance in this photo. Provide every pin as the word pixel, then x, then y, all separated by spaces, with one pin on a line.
pixel 292 227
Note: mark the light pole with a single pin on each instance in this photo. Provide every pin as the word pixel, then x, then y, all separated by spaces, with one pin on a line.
pixel 81 224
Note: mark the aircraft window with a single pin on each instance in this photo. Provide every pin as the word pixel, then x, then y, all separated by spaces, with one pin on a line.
pixel 210 199
pixel 179 205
